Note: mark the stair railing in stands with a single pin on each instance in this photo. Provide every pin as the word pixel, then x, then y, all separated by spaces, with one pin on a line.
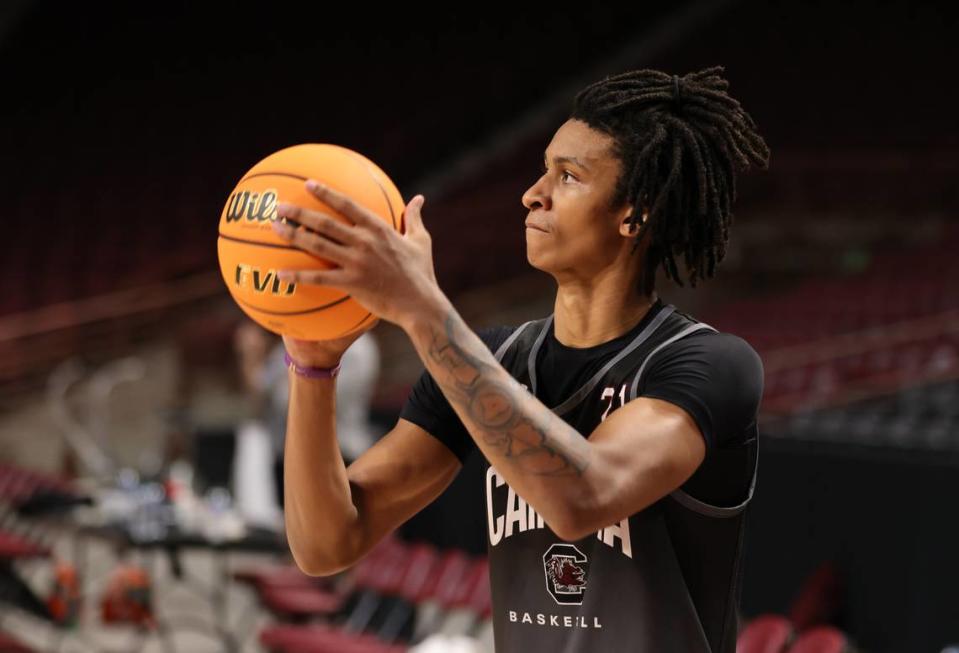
pixel 33 342
pixel 833 349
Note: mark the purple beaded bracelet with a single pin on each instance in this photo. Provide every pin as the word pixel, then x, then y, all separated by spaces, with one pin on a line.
pixel 312 372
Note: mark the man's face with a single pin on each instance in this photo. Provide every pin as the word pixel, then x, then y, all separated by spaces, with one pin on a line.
pixel 571 230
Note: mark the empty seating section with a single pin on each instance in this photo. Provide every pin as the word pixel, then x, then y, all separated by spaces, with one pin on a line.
pixel 923 417
pixel 128 184
pixel 831 340
pixel 398 594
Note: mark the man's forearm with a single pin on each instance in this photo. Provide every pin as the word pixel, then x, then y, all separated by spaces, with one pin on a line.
pixel 322 522
pixel 542 458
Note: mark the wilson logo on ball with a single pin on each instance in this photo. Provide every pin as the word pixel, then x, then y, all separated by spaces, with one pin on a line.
pixel 252 207
pixel 262 281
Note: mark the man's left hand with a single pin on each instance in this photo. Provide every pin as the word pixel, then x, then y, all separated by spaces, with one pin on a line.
pixel 389 273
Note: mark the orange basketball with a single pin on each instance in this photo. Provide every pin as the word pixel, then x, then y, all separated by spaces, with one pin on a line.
pixel 250 252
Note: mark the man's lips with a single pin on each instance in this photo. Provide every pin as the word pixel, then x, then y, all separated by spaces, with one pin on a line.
pixel 532 224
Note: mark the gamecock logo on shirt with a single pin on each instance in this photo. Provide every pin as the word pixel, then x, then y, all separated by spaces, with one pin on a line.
pixel 566 568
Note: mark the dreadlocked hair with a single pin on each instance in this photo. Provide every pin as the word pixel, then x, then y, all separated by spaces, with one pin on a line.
pixel 680 141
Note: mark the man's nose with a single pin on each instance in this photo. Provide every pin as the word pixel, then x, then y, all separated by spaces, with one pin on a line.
pixel 536 196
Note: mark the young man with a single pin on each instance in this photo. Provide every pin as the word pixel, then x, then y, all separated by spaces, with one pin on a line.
pixel 620 432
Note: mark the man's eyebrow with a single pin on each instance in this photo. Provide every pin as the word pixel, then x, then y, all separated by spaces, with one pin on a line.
pixel 567 159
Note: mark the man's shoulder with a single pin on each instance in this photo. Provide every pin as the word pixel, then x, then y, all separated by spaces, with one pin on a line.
pixel 717 344
pixel 719 356
pixel 716 376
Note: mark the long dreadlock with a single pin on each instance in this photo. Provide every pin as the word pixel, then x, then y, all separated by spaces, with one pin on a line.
pixel 680 141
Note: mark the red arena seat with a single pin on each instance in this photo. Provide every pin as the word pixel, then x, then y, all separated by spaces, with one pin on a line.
pixel 9 645
pixel 768 633
pixel 15 547
pixel 822 639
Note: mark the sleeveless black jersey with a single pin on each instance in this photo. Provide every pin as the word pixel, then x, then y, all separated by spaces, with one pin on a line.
pixel 666 579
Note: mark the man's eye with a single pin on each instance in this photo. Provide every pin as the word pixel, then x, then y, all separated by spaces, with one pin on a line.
pixel 565 172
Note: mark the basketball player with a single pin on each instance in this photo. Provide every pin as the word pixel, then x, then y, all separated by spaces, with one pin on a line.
pixel 620 432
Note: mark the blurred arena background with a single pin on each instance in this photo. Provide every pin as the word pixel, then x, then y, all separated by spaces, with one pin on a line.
pixel 126 396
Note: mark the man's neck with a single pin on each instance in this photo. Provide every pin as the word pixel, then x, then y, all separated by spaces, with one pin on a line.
pixel 586 319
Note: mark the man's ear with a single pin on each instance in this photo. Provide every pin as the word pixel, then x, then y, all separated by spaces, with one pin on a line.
pixel 628 230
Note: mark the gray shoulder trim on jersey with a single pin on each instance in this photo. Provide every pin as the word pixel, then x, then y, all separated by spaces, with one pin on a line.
pixel 699 326
pixel 531 362
pixel 510 340
pixel 691 503
pixel 643 335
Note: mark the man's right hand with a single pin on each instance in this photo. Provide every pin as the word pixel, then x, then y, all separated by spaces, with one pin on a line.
pixel 322 353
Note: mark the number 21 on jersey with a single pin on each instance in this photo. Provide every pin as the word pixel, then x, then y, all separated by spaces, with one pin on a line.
pixel 610 393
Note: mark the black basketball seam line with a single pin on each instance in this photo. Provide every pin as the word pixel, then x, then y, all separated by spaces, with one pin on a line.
pixel 309 310
pixel 258 243
pixel 365 318
pixel 377 182
pixel 301 178
pixel 272 174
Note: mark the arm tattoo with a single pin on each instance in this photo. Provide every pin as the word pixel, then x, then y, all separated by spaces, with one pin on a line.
pixel 531 436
